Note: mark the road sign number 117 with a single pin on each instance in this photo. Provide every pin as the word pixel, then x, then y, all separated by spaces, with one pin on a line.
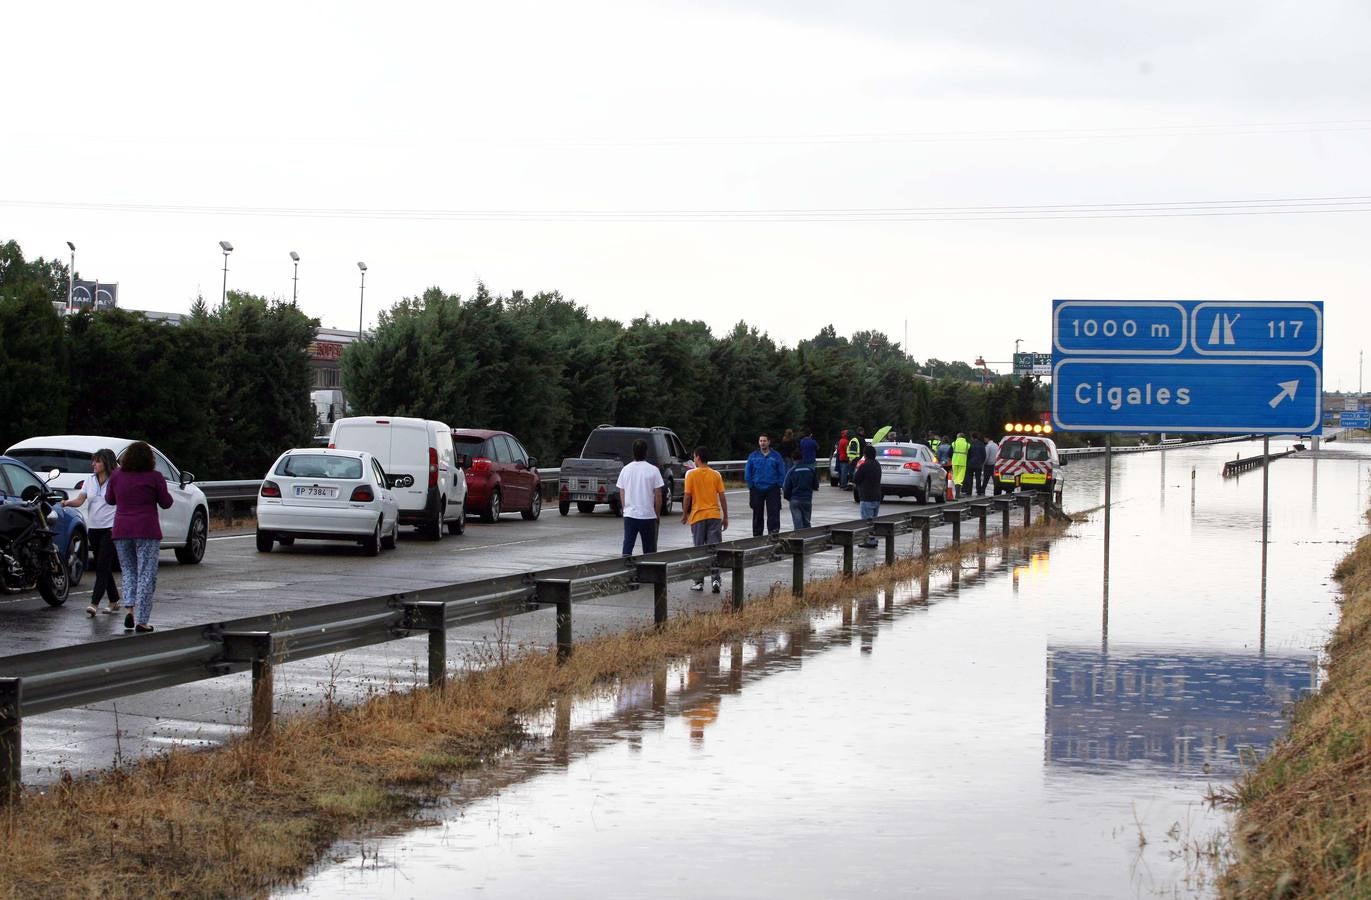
pixel 1277 328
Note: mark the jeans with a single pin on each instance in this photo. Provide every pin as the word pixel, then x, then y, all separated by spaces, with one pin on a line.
pixel 985 478
pixel 138 559
pixel 799 512
pixel 634 527
pixel 102 545
pixel 844 474
pixel 768 501
pixel 706 532
pixel 870 509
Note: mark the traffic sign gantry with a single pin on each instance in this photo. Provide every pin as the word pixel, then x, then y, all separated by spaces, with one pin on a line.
pixel 1241 367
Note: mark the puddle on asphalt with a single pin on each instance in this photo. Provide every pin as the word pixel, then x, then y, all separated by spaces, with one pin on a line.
pixel 1003 729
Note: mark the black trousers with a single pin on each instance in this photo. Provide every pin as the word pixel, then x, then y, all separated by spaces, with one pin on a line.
pixel 102 545
pixel 768 501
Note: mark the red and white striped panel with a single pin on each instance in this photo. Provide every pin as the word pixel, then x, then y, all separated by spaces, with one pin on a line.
pixel 1022 467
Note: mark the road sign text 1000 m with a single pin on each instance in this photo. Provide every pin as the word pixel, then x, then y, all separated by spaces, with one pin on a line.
pixel 1190 365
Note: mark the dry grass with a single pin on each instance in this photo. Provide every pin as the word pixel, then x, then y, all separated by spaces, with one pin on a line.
pixel 1304 814
pixel 256 814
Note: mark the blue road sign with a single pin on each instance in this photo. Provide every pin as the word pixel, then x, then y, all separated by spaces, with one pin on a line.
pixel 1240 367
pixel 1356 419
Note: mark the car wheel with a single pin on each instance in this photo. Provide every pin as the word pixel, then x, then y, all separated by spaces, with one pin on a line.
pixel 564 507
pixel 535 508
pixel 264 541
pixel 76 557
pixel 855 498
pixel 492 513
pixel 939 496
pixel 585 507
pixel 371 545
pixel 459 524
pixel 434 530
pixel 666 498
pixel 921 494
pixel 196 539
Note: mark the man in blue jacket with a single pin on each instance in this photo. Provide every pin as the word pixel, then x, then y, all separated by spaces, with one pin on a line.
pixel 800 484
pixel 764 474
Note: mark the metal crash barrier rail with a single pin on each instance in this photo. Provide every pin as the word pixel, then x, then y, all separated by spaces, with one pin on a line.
pixel 63 678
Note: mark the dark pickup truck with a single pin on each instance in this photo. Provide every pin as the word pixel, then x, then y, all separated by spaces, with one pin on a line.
pixel 592 478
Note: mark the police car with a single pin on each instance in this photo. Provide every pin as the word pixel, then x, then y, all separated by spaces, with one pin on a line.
pixel 1028 461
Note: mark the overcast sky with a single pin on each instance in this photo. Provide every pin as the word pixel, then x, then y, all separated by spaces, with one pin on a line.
pixel 788 162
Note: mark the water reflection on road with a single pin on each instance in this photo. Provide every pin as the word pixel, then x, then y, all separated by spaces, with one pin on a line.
pixel 994 730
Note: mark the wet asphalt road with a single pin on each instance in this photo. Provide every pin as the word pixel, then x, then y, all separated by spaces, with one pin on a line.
pixel 235 580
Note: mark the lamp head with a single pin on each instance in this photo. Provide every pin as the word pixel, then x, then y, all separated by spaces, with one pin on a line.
pixel 295 256
pixel 362 266
pixel 226 246
pixel 72 246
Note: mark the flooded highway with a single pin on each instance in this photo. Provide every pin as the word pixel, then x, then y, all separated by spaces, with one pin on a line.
pixel 1005 729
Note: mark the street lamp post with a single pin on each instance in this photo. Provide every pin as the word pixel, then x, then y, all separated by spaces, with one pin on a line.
pixel 71 276
pixel 361 297
pixel 295 280
pixel 223 297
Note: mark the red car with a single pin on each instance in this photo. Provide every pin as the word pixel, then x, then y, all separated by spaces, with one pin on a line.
pixel 501 476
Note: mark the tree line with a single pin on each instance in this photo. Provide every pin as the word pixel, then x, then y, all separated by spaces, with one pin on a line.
pixel 542 368
pixel 221 395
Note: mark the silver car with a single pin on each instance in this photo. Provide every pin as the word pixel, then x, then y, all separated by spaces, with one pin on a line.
pixel 910 470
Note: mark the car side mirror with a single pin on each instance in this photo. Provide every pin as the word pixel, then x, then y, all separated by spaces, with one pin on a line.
pixel 533 462
pixel 1061 460
pixel 187 478
pixel 53 473
pixel 56 495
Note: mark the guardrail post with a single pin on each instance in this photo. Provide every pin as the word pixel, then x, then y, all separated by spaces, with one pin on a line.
pixel 739 585
pixel 228 513
pixel 255 646
pixel 558 593
pixel 431 616
pixel 1004 522
pixel 956 528
pixel 797 570
pixel 11 733
pixel 659 603
pixel 983 514
pixel 926 539
pixel 848 552
pixel 890 548
pixel 1027 512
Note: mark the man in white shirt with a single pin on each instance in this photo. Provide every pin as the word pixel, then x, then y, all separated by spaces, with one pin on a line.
pixel 986 477
pixel 640 496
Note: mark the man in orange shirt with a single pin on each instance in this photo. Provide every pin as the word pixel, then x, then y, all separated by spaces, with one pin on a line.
pixel 705 509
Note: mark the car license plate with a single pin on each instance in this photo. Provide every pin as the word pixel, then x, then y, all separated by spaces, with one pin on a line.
pixel 1033 479
pixel 583 497
pixel 314 490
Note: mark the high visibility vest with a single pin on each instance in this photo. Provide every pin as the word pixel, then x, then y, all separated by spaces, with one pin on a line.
pixel 854 449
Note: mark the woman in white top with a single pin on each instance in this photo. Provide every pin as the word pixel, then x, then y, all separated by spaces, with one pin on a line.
pixel 99 522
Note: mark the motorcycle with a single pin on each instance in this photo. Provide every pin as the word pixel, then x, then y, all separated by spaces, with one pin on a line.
pixel 29 556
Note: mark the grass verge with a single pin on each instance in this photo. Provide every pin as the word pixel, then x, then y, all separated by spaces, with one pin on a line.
pixel 241 819
pixel 1303 827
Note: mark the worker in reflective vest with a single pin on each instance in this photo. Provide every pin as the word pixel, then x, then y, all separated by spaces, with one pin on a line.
pixel 960 448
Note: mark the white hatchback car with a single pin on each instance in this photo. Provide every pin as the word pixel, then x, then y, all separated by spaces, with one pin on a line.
pixel 185 527
pixel 328 495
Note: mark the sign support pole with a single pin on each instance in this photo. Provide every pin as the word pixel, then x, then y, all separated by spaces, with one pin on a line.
pixel 1266 487
pixel 1108 479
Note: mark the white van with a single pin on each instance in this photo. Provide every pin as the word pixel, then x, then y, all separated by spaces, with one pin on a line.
pixel 417 457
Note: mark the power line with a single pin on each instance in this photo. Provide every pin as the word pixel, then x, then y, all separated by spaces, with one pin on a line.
pixel 1135 210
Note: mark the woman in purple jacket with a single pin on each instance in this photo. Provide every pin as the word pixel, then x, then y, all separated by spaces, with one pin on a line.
pixel 135 490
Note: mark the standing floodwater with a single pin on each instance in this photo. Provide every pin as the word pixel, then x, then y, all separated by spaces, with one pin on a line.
pixel 1001 733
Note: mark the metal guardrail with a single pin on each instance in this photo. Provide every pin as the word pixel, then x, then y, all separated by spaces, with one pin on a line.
pixel 1248 463
pixel 62 678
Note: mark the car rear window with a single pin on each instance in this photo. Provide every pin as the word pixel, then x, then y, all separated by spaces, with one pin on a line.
pixel 40 460
pixel 1037 452
pixel 611 445
pixel 1011 450
pixel 472 446
pixel 320 466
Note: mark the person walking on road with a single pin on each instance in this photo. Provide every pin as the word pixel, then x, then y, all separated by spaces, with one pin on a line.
pixel 136 490
pixel 809 448
pixel 99 523
pixel 764 474
pixel 992 453
pixel 705 509
pixel 787 447
pixel 844 464
pixel 975 462
pixel 800 484
pixel 868 485
pixel 960 448
pixel 640 495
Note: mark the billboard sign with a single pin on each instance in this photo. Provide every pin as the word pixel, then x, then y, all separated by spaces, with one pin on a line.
pixel 1238 367
pixel 1032 364
pixel 100 295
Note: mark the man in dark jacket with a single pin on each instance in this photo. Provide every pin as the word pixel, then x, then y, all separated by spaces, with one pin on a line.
pixel 868 485
pixel 975 464
pixel 800 484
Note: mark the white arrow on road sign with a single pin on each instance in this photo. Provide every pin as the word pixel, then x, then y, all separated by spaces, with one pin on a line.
pixel 1288 389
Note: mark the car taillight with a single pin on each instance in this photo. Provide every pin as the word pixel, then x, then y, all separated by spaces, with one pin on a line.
pixel 432 467
pixel 362 494
pixel 480 465
pixel 913 467
pixel 270 489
